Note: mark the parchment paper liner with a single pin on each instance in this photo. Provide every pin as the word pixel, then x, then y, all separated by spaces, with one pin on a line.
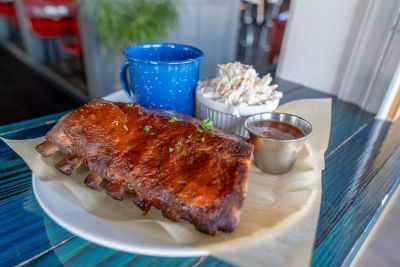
pixel 279 216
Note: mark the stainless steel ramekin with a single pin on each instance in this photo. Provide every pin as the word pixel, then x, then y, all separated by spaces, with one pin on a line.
pixel 277 156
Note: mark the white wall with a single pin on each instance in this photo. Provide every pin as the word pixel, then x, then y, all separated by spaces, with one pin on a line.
pixel 390 95
pixel 375 56
pixel 349 48
pixel 318 41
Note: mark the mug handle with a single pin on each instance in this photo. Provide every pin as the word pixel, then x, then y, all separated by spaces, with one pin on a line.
pixel 122 78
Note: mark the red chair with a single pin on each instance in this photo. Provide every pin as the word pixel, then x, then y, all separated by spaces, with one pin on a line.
pixel 7 9
pixel 74 47
pixel 276 39
pixel 47 22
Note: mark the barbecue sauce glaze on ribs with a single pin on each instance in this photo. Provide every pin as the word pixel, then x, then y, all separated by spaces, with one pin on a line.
pixel 164 159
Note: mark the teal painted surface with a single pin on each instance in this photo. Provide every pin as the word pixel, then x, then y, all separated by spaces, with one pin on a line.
pixel 361 167
pixel 25 230
pixel 18 126
pixel 350 169
pixel 353 225
pixel 286 87
pixel 78 252
pixel 15 176
pixel 303 92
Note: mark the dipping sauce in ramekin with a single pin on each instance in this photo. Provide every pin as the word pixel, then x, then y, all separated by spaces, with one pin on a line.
pixel 277 130
pixel 278 138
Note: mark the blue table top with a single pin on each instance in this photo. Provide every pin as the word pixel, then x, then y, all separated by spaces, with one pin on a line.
pixel 362 169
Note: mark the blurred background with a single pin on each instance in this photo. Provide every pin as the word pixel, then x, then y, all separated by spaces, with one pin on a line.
pixel 57 54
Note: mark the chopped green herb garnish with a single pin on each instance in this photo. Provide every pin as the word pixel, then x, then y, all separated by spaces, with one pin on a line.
pixel 147 128
pixel 125 127
pixel 170 149
pixel 207 124
pixel 178 145
pixel 140 113
pixel 202 139
pixel 129 105
pixel 173 119
pixel 199 130
pixel 115 123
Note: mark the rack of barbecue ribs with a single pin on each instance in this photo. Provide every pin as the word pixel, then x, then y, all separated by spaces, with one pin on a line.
pixel 166 160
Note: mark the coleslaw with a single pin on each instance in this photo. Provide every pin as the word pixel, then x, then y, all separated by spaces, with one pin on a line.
pixel 238 85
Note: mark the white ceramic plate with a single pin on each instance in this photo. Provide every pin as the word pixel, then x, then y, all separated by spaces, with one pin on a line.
pixel 62 207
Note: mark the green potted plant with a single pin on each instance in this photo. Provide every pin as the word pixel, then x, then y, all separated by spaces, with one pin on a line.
pixel 120 23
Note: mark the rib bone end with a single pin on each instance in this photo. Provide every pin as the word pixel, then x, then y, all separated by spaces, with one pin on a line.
pixel 46 148
pixel 68 164
pixel 116 189
pixel 93 180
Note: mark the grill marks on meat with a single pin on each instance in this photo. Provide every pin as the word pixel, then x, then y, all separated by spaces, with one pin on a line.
pixel 188 174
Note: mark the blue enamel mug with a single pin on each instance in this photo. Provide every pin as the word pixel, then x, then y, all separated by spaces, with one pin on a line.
pixel 162 75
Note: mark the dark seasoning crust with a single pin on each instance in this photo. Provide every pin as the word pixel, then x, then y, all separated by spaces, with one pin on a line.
pixel 164 159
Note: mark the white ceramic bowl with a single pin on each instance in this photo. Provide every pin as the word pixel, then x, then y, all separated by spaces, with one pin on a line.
pixel 221 114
